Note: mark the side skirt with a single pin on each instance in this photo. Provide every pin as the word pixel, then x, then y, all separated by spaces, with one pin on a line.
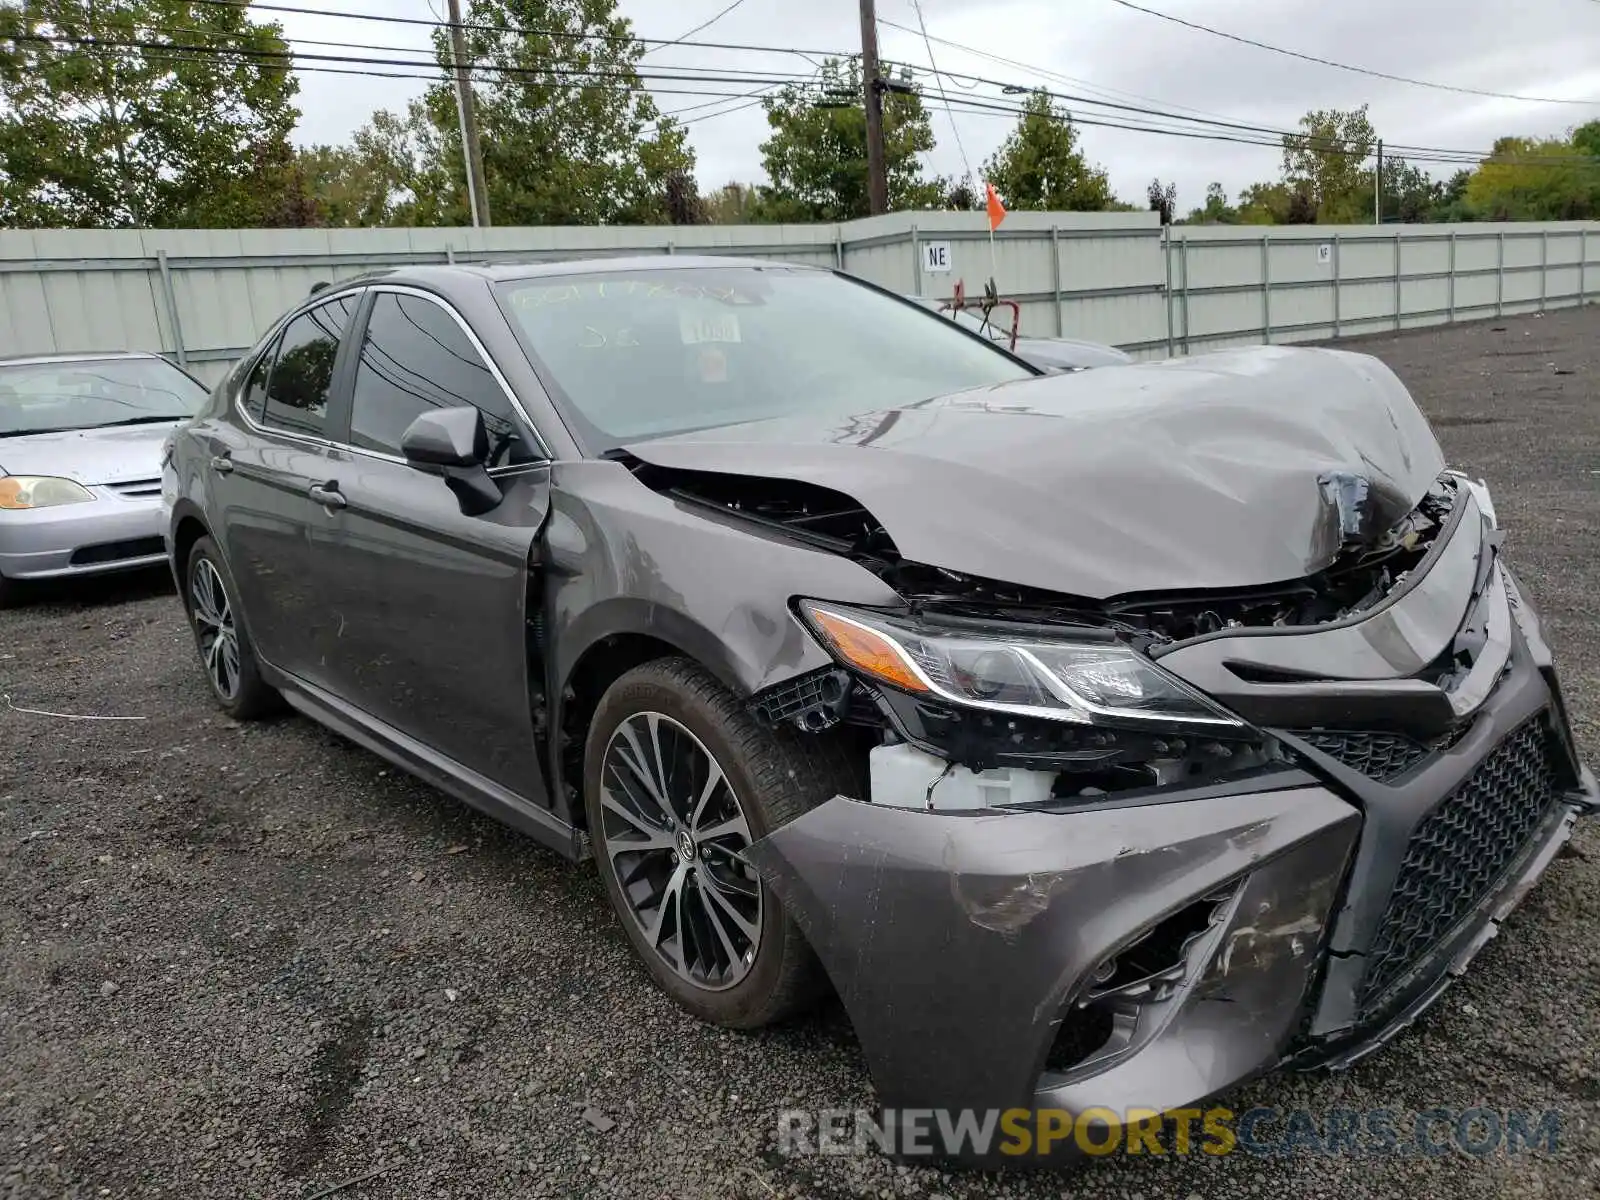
pixel 432 767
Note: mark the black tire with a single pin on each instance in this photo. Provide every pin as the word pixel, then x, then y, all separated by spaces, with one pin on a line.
pixel 250 698
pixel 774 776
pixel 10 592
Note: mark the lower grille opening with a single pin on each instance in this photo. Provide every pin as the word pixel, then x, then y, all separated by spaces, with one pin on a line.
pixel 1460 853
pixel 1104 1017
pixel 106 552
pixel 1083 1031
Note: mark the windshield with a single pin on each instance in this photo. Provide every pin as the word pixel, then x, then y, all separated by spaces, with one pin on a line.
pixel 637 354
pixel 92 393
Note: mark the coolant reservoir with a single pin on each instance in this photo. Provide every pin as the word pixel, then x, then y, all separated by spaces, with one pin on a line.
pixel 905 777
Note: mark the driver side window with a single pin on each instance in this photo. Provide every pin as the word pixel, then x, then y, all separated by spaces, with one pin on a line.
pixel 416 358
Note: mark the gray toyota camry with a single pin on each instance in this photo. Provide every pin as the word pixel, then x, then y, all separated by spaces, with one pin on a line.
pixel 1102 739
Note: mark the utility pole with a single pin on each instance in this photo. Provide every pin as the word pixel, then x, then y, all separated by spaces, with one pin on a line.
pixel 877 169
pixel 477 190
pixel 1377 188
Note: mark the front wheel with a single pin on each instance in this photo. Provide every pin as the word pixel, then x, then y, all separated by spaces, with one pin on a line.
pixel 679 780
pixel 228 658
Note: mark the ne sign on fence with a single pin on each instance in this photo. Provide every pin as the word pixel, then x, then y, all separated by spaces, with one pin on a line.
pixel 204 296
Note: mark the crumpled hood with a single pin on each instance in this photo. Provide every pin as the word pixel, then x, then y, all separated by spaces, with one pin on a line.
pixel 89 456
pixel 1196 473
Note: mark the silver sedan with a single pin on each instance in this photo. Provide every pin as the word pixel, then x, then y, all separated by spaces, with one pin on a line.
pixel 80 461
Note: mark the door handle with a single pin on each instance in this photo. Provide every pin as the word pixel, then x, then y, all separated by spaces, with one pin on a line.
pixel 221 464
pixel 327 494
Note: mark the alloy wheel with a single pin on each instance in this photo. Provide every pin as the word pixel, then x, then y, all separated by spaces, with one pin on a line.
pixel 674 834
pixel 214 627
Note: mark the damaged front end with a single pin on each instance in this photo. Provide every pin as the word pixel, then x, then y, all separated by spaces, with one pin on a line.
pixel 1127 852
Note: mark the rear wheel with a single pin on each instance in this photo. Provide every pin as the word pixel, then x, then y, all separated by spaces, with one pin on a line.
pixel 679 780
pixel 226 655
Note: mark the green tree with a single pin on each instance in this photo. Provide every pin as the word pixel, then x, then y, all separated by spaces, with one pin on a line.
pixel 570 136
pixel 1539 179
pixel 187 129
pixel 1039 166
pixel 1586 139
pixel 816 155
pixel 733 204
pixel 1410 194
pixel 348 185
pixel 1268 204
pixel 1163 199
pixel 1216 210
pixel 1327 163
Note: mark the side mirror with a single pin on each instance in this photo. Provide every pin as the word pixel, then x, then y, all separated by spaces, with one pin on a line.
pixel 450 437
pixel 453 442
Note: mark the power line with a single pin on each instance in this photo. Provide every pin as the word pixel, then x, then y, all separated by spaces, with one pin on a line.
pixel 1045 72
pixel 1328 62
pixel 712 74
pixel 706 24
pixel 938 79
pixel 1234 132
pixel 1213 122
pixel 481 27
pixel 287 60
pixel 1466 158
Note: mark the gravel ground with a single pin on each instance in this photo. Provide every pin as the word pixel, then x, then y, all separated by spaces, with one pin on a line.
pixel 257 961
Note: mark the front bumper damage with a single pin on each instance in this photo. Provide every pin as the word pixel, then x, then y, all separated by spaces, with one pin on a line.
pixel 1300 918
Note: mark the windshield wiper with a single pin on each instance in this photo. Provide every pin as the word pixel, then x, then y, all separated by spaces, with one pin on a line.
pixel 139 421
pixel 5 433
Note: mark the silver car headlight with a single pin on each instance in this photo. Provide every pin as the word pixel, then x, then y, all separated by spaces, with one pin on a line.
pixel 1085 681
pixel 40 491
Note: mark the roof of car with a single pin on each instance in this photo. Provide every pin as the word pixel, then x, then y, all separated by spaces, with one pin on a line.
pixel 444 275
pixel 26 360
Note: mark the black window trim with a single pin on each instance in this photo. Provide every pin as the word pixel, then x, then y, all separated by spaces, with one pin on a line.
pixel 270 344
pixel 541 449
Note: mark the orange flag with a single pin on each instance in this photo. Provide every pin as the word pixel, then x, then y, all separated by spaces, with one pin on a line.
pixel 997 211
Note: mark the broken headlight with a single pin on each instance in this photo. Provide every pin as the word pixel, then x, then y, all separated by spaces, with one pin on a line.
pixel 1089 681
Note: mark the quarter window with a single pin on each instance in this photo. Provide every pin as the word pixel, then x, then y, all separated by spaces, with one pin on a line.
pixel 302 370
pixel 416 358
pixel 254 396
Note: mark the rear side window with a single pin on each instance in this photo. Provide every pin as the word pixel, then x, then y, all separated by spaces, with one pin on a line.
pixel 302 370
pixel 415 359
pixel 254 394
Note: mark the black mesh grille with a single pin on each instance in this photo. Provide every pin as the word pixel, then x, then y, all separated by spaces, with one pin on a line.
pixel 1460 852
pixel 1380 756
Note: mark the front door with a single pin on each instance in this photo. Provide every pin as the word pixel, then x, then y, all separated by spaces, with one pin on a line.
pixel 433 605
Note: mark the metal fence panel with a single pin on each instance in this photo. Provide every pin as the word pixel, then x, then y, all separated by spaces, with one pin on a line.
pixel 204 296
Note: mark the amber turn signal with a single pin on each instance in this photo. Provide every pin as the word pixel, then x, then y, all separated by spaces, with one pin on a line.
pixel 866 649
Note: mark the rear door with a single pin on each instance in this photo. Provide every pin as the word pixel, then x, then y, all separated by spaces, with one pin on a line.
pixel 433 605
pixel 264 468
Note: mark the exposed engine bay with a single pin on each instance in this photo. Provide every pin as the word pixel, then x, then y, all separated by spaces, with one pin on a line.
pixel 1364 571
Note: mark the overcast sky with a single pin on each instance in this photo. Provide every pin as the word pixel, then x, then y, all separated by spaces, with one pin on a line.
pixel 1547 48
